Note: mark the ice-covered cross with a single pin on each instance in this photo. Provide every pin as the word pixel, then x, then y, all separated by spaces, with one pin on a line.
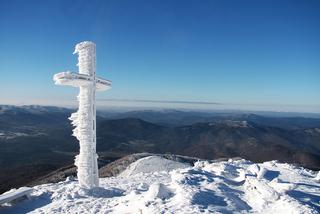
pixel 84 119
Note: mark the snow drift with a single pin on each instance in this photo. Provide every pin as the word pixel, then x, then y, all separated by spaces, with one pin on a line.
pixel 157 185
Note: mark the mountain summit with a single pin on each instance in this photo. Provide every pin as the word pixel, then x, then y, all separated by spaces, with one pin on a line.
pixel 155 184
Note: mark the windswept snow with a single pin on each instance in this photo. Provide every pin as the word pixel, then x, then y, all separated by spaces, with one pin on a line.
pixel 152 164
pixel 157 185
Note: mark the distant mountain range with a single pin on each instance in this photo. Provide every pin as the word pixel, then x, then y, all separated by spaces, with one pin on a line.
pixel 218 139
pixel 171 117
pixel 36 140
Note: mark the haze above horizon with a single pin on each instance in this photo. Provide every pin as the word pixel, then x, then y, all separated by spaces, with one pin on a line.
pixel 255 55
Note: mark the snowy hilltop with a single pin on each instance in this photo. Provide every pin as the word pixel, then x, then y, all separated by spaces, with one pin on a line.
pixel 155 184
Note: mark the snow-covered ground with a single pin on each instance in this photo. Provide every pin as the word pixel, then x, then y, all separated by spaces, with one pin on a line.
pixel 157 185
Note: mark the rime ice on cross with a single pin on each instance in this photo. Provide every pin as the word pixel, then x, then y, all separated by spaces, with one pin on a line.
pixel 84 119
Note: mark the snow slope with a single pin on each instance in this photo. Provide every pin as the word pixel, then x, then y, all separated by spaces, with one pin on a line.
pixel 157 185
pixel 152 164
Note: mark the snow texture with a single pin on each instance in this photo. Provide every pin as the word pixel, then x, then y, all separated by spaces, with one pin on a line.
pixel 150 165
pixel 154 185
pixel 84 119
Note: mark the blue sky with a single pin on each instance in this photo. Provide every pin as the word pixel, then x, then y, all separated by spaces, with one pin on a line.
pixel 247 53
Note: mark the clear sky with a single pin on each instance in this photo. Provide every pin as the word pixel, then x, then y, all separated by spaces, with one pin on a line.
pixel 247 53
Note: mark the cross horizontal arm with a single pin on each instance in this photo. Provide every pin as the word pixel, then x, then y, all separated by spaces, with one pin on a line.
pixel 77 80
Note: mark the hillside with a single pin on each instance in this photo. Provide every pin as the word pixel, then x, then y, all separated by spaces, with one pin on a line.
pixel 220 139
